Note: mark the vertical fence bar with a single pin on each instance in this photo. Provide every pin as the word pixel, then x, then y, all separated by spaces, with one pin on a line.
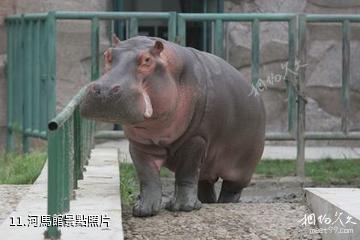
pixel 71 157
pixel 205 27
pixel 83 150
pixel 291 76
pixel 300 161
pixel 77 147
pixel 51 61
pixel 86 145
pixel 255 51
pixel 18 89
pixel 27 81
pixel 56 138
pixel 345 75
pixel 181 31
pixel 36 98
pixel 133 26
pixel 54 194
pixel 67 184
pixel 172 27
pixel 95 60
pixel 219 34
pixel 10 83
pixel 43 77
pixel 26 78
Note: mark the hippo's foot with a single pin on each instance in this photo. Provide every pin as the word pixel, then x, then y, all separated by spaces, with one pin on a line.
pixel 230 192
pixel 175 205
pixel 185 200
pixel 146 208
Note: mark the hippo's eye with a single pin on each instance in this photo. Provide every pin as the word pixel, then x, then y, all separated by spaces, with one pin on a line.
pixel 147 60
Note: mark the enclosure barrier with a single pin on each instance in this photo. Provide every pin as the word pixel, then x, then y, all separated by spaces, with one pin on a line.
pixel 294 82
pixel 31 78
pixel 70 139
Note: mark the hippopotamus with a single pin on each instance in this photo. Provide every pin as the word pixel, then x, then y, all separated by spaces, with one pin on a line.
pixel 183 109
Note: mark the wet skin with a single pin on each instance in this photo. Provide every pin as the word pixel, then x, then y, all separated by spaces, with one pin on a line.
pixel 184 109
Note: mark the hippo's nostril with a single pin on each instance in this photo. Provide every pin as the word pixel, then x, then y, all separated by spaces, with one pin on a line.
pixel 95 88
pixel 115 89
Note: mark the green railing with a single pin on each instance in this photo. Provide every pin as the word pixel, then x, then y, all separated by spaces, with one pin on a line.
pixel 70 139
pixel 31 78
pixel 31 67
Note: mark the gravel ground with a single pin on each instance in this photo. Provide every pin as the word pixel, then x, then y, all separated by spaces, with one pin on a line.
pixel 223 221
pixel 269 209
pixel 10 196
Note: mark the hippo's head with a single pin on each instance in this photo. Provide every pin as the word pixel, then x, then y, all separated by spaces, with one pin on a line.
pixel 137 84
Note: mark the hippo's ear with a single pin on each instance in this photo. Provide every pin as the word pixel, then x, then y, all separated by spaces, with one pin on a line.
pixel 157 48
pixel 107 60
pixel 115 41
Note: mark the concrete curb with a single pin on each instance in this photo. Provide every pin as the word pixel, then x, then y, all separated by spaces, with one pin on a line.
pixel 332 207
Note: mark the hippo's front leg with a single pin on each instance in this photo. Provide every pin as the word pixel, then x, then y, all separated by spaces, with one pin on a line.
pixel 149 200
pixel 187 160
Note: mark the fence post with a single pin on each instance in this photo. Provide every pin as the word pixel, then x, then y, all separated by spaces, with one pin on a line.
pixel 24 83
pixel 181 31
pixel 55 139
pixel 55 144
pixel 94 49
pixel 291 77
pixel 95 58
pixel 255 51
pixel 345 75
pixel 300 136
pixel 133 26
pixel 51 54
pixel 36 97
pixel 10 81
pixel 43 76
pixel 172 27
pixel 219 34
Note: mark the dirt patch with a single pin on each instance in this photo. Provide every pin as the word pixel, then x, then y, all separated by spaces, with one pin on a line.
pixel 223 221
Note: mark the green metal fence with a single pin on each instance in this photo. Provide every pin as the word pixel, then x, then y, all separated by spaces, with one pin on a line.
pixel 31 78
pixel 31 66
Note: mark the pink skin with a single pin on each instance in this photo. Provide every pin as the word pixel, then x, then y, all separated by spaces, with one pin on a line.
pixel 166 106
pixel 164 130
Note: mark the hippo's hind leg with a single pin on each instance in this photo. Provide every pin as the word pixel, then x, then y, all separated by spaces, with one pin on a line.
pixel 231 191
pixel 206 191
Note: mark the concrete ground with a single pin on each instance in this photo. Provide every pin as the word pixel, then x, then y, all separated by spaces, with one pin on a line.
pixel 98 197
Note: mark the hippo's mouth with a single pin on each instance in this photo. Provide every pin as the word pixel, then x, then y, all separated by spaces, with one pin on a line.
pixel 129 111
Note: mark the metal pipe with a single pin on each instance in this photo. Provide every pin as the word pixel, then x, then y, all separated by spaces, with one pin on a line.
pixel 66 113
pixel 332 18
pixel 109 134
pixel 345 75
pixel 300 136
pixel 255 52
pixel 282 17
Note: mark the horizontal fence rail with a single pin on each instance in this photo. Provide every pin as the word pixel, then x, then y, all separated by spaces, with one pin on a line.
pixel 70 139
pixel 31 82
